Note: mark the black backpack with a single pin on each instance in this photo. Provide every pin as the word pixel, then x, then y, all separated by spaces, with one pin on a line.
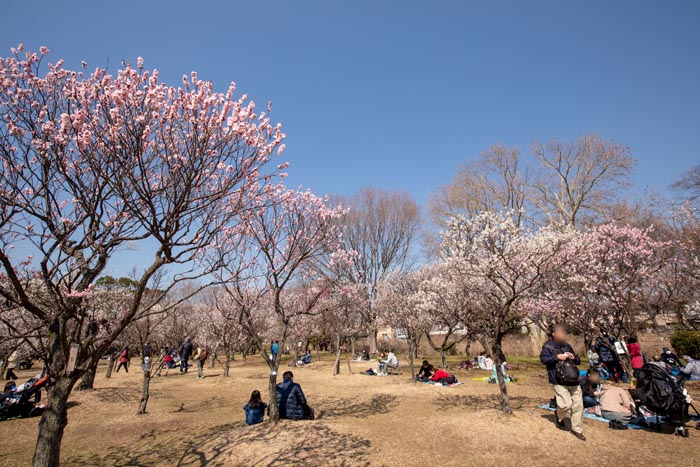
pixel 565 372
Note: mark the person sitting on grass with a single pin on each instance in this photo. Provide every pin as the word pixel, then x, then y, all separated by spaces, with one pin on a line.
pixel 504 374
pixel 616 404
pixel 590 387
pixel 443 377
pixel 388 361
pixel 254 409
pixel 426 371
pixel 291 401
pixel 690 371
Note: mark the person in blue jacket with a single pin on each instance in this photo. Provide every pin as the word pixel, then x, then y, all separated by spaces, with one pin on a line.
pixel 254 409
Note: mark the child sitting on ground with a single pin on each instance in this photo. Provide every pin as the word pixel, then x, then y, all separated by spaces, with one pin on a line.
pixel 254 409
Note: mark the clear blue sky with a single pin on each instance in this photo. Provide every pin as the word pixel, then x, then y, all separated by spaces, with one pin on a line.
pixel 397 94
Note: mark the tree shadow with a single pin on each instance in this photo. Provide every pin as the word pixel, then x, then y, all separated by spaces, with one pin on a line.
pixel 287 443
pixel 482 402
pixel 345 407
pixel 119 394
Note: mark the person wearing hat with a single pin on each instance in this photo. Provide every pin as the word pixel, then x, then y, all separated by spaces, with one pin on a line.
pixel 670 358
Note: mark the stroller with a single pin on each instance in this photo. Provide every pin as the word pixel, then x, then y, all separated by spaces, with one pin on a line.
pixel 23 400
pixel 661 393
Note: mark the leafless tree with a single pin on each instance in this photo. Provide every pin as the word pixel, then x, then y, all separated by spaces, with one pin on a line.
pixel 578 180
pixel 497 181
pixel 380 230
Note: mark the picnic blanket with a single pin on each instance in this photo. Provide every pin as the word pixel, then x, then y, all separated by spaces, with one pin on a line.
pixel 593 416
pixel 435 383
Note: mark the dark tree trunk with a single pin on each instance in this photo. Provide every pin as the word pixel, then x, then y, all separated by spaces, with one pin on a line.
pixel 53 421
pixel 411 349
pixel 88 381
pixel 3 366
pixel 336 364
pixel 272 388
pixel 373 344
pixel 227 364
pixel 505 400
pixel 443 358
pixel 145 386
pixel 212 360
pixel 110 366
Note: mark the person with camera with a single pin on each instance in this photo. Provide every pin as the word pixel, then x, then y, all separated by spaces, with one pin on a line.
pixel 561 360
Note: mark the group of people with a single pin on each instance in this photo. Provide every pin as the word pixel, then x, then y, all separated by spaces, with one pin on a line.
pixel 168 359
pixel 618 404
pixel 291 403
pixel 429 374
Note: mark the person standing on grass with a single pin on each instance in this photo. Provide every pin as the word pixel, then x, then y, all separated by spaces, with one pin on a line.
pixel 124 359
pixel 201 358
pixel 568 396
pixel 185 354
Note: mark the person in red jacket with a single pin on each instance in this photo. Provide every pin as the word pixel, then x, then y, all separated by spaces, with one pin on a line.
pixel 635 352
pixel 441 376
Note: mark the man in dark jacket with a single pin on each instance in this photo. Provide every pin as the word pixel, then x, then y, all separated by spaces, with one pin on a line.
pixel 606 351
pixel 568 397
pixel 291 402
pixel 185 354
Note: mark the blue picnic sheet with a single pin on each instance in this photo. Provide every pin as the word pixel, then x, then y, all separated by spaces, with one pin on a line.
pixel 593 416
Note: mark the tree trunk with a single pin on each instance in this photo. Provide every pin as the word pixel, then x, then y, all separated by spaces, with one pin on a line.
pixel 411 349
pixel 143 403
pixel 227 364
pixel 347 359
pixel 212 360
pixel 336 365
pixel 88 381
pixel 373 344
pixel 110 366
pixel 3 366
pixel 53 421
pixel 505 400
pixel 272 388
pixel 443 359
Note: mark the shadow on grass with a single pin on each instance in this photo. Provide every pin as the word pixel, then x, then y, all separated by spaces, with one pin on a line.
pixel 267 444
pixel 345 407
pixel 483 402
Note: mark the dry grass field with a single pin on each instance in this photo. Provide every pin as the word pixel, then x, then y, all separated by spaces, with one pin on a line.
pixel 361 421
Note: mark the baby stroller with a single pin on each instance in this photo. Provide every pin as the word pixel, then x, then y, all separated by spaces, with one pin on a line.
pixel 23 400
pixel 661 393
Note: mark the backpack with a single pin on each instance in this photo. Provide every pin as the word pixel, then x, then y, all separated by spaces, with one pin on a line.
pixel 203 355
pixel 566 373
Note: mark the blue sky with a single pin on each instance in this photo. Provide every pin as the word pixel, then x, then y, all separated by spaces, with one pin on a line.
pixel 398 94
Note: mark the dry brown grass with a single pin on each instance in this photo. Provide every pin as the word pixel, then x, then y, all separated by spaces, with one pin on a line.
pixel 361 421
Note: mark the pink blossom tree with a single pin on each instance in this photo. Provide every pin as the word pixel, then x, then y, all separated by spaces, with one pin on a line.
pixel 615 279
pixel 448 301
pixel 273 264
pixel 401 308
pixel 95 162
pixel 504 266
